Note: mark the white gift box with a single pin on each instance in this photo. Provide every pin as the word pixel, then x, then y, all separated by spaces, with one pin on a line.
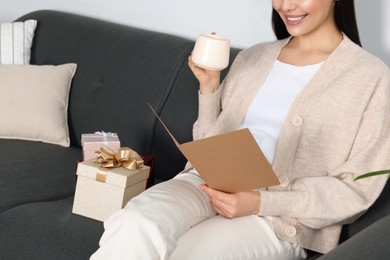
pixel 99 193
pixel 93 142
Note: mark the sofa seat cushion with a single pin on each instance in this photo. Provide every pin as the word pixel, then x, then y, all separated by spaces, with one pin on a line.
pixel 371 243
pixel 47 230
pixel 35 171
pixel 377 211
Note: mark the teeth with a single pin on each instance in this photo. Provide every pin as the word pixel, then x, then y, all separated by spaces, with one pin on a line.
pixel 294 19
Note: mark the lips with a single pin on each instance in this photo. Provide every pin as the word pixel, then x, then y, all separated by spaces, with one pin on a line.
pixel 294 19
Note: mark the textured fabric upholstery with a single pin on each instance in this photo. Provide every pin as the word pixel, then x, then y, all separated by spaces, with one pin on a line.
pixel 47 230
pixel 34 171
pixel 370 244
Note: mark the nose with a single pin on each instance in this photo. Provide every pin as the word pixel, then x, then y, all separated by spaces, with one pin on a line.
pixel 287 5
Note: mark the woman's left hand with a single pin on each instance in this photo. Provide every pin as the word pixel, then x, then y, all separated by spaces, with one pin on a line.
pixel 233 205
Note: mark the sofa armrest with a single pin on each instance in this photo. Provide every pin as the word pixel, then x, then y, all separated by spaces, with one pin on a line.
pixel 370 243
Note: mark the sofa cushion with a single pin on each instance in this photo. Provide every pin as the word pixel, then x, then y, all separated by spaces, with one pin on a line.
pixel 377 211
pixel 116 64
pixel 15 42
pixel 371 243
pixel 36 104
pixel 46 231
pixel 34 171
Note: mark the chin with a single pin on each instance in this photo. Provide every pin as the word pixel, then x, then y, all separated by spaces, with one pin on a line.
pixel 296 32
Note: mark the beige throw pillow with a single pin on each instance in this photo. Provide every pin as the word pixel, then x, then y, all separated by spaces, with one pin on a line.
pixel 34 102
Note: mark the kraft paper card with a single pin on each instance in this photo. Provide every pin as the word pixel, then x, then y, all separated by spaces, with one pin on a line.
pixel 230 162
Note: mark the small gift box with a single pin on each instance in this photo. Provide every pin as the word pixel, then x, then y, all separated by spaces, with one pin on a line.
pixel 106 184
pixel 93 142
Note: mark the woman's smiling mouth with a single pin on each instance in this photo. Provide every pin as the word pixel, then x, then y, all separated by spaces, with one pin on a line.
pixel 293 20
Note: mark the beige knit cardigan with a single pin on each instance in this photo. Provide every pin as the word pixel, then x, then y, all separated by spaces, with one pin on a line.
pixel 337 128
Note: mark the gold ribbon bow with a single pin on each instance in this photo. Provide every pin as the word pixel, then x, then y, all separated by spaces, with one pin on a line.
pixel 125 157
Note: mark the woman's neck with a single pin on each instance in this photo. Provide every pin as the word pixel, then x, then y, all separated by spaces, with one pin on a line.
pixel 310 49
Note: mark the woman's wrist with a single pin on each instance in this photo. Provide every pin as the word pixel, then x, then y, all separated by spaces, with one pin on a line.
pixel 257 203
pixel 208 89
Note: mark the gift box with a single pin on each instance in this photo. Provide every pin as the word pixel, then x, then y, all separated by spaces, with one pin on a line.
pixel 101 191
pixel 93 142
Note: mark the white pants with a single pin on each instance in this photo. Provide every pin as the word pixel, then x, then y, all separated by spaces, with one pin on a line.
pixel 174 220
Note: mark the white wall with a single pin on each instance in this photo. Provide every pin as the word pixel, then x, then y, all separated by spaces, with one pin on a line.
pixel 374 23
pixel 245 22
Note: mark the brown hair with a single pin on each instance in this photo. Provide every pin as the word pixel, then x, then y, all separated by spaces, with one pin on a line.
pixel 344 16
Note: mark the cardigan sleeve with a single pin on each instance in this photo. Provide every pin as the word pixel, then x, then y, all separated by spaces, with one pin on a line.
pixel 209 109
pixel 210 106
pixel 336 198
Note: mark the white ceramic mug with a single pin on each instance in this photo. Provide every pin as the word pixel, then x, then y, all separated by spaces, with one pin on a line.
pixel 211 52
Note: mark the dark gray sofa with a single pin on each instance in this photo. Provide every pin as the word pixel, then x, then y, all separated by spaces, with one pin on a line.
pixel 118 67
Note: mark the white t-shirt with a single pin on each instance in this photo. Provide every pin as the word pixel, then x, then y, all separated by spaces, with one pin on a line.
pixel 269 108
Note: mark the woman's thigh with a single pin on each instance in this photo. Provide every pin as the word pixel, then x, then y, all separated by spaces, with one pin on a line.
pixel 250 237
pixel 175 204
pixel 150 224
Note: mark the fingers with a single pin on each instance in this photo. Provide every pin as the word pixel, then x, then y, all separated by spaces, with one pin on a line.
pixel 232 205
pixel 198 72
pixel 223 203
pixel 211 192
pixel 191 64
pixel 209 80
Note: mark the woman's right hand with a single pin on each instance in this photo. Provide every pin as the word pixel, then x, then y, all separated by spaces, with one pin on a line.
pixel 209 80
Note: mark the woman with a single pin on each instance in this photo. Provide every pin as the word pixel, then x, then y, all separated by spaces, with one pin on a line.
pixel 317 104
